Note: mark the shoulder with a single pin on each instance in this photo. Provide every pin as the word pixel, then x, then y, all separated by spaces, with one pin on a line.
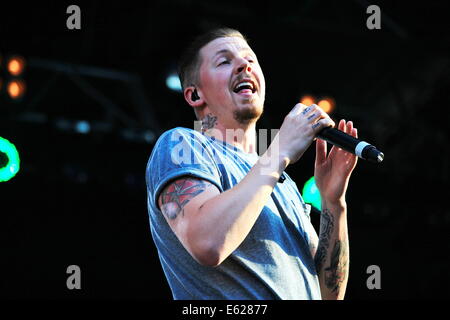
pixel 179 146
pixel 179 134
pixel 182 131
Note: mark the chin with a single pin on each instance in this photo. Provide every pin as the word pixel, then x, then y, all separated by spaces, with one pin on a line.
pixel 248 113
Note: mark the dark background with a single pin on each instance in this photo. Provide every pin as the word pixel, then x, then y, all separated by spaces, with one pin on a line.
pixel 81 198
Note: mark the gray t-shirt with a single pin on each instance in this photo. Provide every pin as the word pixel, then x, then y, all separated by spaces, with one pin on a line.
pixel 274 260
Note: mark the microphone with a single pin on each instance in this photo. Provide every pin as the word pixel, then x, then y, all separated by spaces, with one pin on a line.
pixel 345 141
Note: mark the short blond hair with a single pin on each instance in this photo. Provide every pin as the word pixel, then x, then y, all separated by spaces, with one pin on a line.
pixel 191 60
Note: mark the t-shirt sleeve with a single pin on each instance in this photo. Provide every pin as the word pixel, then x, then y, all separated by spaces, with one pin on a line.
pixel 179 152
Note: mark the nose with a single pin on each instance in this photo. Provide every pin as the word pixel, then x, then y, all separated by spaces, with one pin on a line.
pixel 243 65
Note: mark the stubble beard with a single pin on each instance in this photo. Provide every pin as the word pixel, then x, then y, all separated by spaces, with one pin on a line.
pixel 248 114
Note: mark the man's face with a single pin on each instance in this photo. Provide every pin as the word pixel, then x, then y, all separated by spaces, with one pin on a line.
pixel 231 80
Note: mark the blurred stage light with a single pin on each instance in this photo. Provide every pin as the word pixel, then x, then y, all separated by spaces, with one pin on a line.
pixel 82 127
pixel 311 193
pixel 63 124
pixel 327 104
pixel 15 65
pixel 307 100
pixel 16 89
pixel 9 160
pixel 149 136
pixel 173 82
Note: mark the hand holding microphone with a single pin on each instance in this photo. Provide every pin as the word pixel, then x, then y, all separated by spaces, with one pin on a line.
pixel 304 123
pixel 299 129
pixel 340 139
pixel 345 141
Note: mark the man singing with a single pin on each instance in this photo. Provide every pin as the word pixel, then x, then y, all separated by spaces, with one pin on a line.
pixel 224 225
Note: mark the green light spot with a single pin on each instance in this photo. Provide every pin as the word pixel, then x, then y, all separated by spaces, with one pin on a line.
pixel 9 160
pixel 311 193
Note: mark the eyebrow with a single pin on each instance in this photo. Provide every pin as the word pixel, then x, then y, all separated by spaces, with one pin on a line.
pixel 228 51
pixel 221 51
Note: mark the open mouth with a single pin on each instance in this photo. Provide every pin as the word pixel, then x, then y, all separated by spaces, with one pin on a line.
pixel 245 87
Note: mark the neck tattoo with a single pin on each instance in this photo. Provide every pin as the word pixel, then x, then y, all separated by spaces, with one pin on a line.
pixel 208 122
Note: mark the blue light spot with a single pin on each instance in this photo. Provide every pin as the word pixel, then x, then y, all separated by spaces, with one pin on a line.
pixel 173 83
pixel 83 127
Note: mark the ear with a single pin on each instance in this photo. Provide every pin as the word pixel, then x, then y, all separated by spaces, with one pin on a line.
pixel 188 97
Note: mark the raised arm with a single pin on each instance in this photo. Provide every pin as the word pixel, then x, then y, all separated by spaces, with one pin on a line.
pixel 332 175
pixel 211 225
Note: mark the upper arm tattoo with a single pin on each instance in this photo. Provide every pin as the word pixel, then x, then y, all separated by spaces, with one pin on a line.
pixel 175 197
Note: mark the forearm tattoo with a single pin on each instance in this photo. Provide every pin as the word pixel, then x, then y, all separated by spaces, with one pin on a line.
pixel 209 121
pixel 326 228
pixel 175 197
pixel 336 272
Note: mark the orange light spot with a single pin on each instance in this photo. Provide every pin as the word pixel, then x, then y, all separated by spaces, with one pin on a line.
pixel 16 65
pixel 16 89
pixel 326 104
pixel 307 100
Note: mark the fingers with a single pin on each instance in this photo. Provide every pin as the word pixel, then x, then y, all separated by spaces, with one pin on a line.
pixel 320 119
pixel 352 130
pixel 321 151
pixel 312 115
pixel 298 108
pixel 301 109
pixel 322 123
pixel 342 126
pixel 348 128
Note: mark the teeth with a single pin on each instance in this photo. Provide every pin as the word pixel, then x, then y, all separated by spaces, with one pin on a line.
pixel 244 84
